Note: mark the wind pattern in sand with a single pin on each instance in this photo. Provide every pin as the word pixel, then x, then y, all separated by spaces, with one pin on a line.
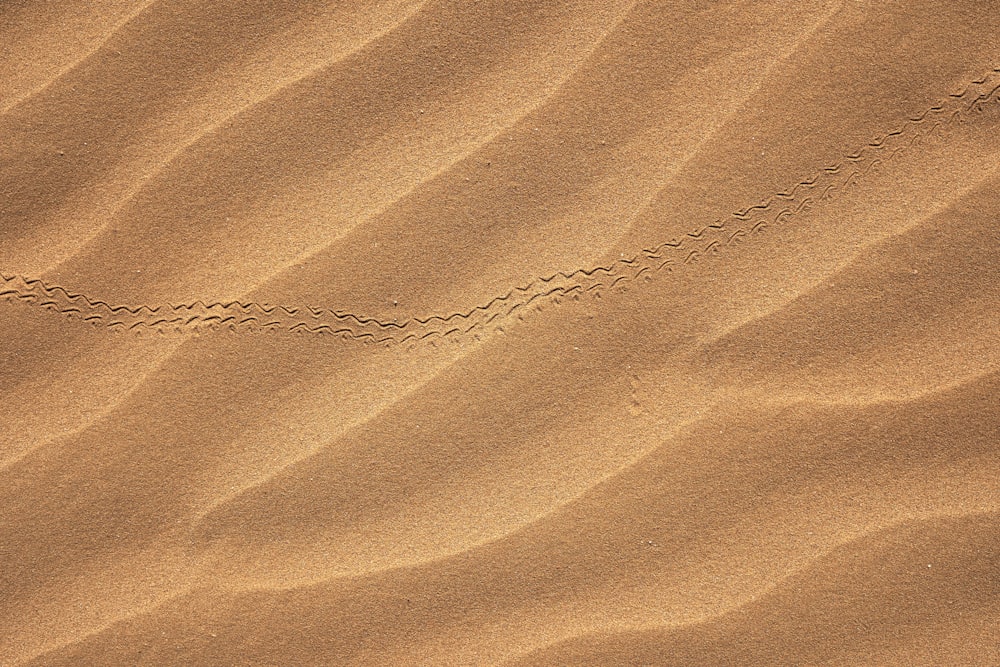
pixel 777 210
pixel 284 386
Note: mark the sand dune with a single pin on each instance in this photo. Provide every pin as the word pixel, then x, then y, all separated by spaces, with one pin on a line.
pixel 416 332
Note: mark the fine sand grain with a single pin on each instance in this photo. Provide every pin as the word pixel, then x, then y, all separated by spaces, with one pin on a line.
pixel 406 332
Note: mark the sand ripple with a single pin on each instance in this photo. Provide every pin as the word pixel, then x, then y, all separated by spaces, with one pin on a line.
pixel 418 332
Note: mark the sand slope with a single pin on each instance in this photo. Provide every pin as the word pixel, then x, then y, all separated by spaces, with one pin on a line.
pixel 416 332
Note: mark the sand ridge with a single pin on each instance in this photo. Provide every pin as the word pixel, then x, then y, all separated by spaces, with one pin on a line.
pixel 325 412
pixel 710 238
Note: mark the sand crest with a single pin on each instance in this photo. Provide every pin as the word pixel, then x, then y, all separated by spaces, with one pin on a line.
pixel 508 333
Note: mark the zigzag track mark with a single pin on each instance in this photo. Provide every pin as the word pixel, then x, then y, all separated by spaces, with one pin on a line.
pixel 711 238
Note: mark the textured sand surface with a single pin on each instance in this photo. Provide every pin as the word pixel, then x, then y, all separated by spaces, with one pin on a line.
pixel 405 332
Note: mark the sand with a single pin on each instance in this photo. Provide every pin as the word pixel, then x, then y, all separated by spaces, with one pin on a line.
pixel 407 332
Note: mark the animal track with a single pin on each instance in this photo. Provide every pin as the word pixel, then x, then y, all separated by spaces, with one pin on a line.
pixel 583 282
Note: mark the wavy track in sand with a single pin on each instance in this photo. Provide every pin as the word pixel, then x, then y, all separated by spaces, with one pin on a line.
pixel 775 211
pixel 773 441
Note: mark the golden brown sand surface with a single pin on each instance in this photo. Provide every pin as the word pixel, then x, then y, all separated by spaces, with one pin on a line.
pixel 406 332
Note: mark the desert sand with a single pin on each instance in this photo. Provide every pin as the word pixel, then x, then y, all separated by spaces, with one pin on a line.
pixel 407 332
